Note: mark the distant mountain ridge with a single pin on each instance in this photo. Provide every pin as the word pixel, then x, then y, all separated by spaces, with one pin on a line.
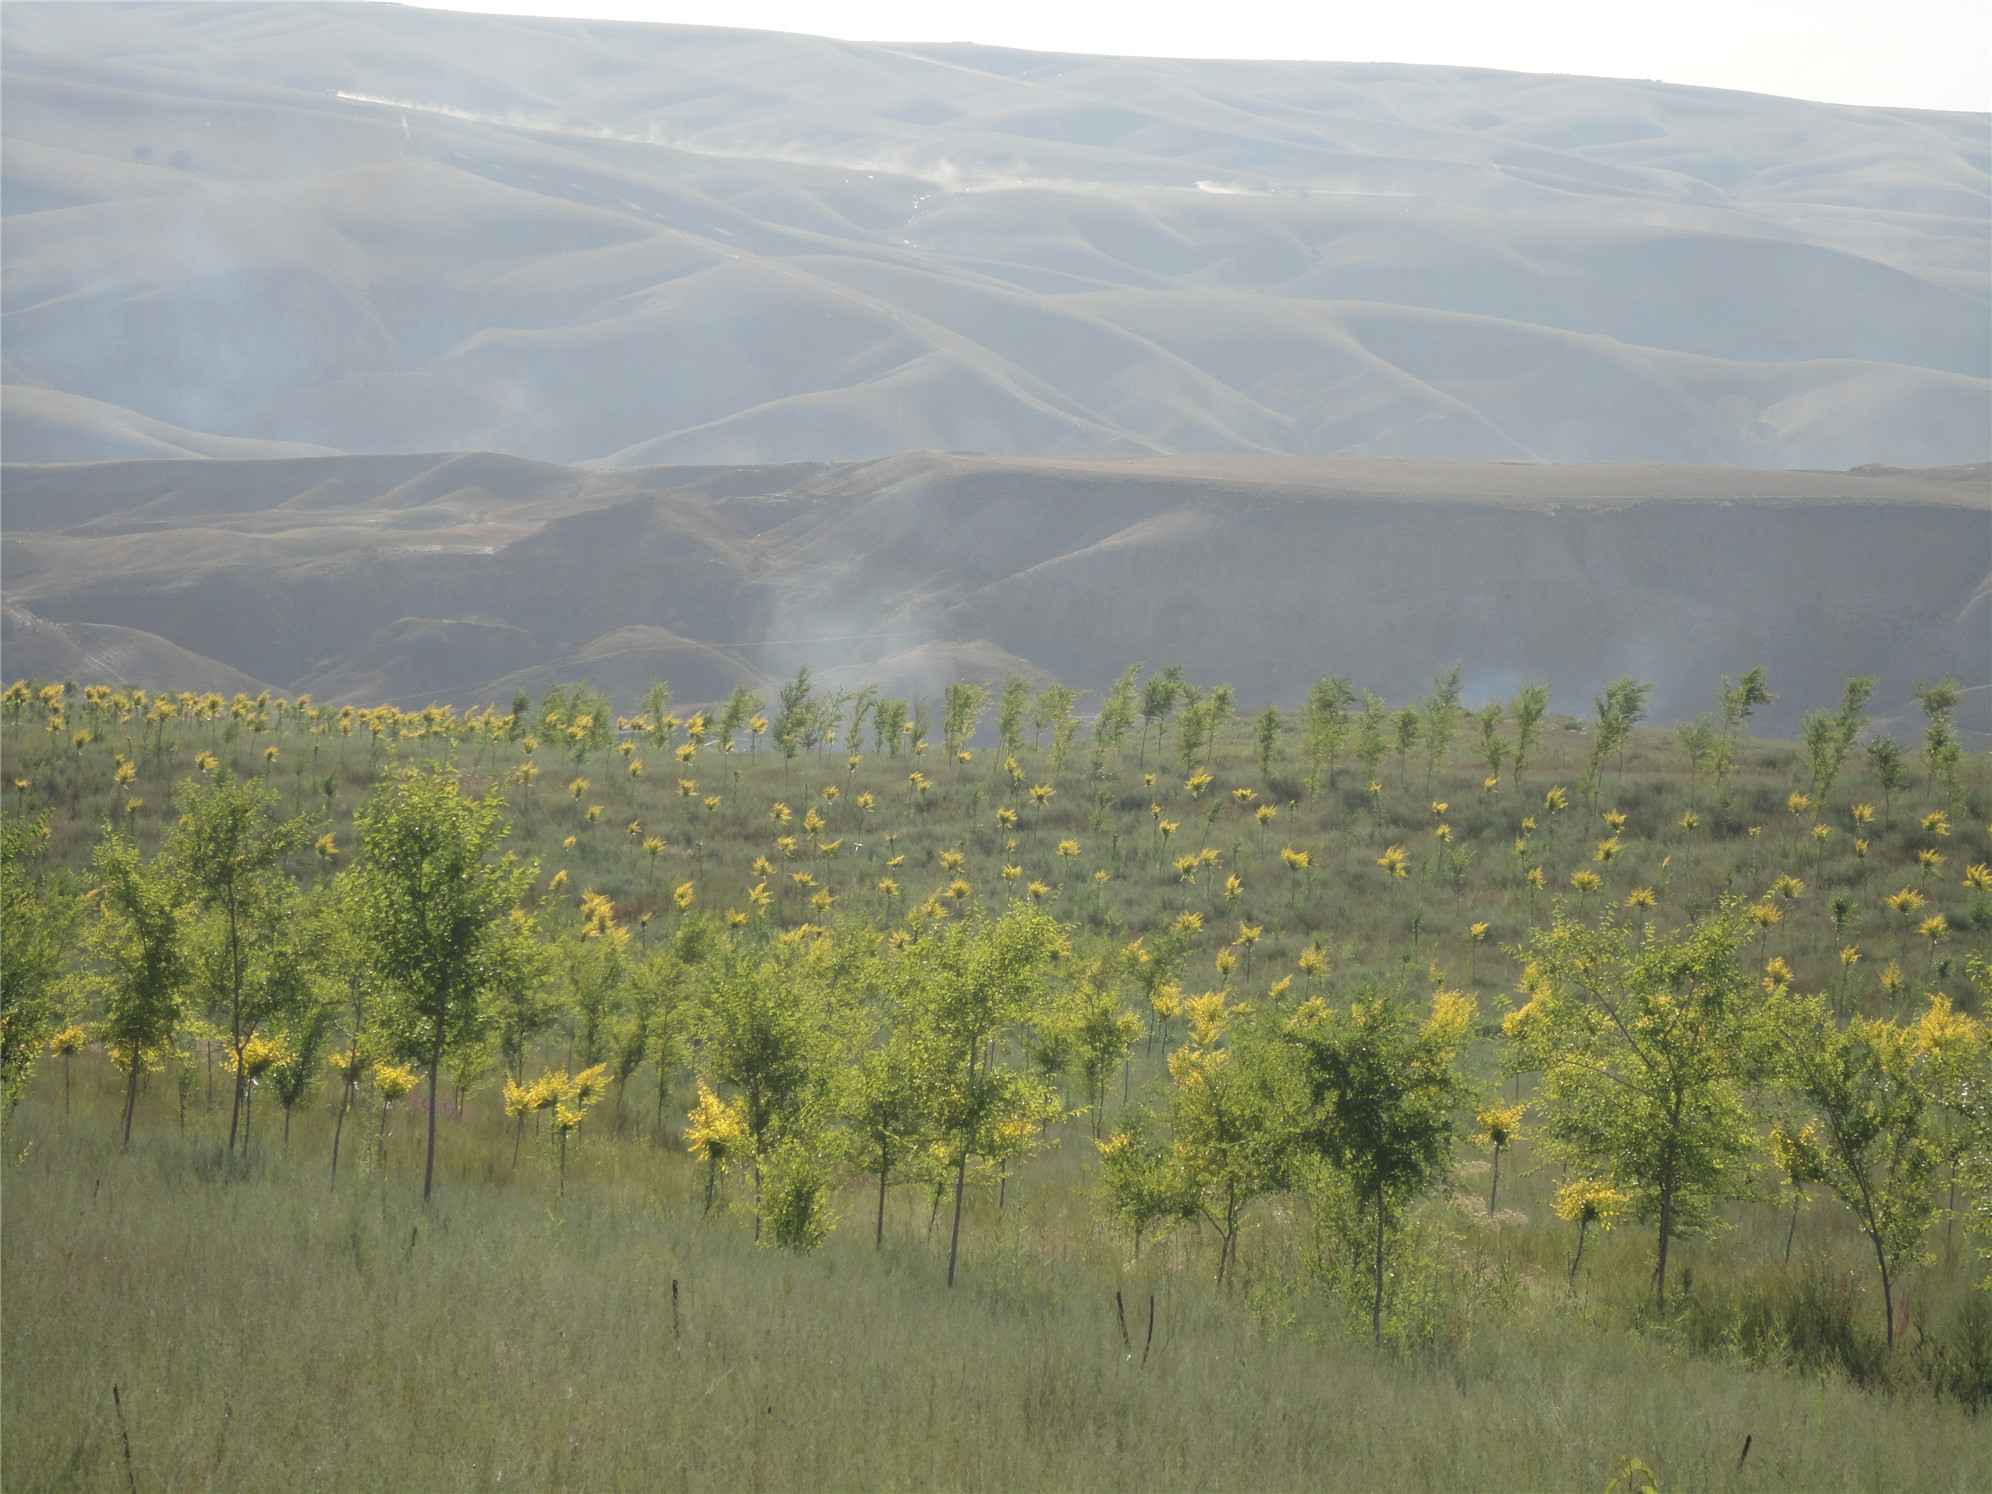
pixel 469 576
pixel 579 242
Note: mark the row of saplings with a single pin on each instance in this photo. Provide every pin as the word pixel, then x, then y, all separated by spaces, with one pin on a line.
pixel 1665 1063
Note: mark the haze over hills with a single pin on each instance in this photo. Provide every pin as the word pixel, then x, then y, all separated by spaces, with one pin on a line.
pixel 371 228
pixel 468 577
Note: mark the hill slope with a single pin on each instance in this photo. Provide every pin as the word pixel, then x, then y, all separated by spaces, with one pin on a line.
pixel 466 576
pixel 378 228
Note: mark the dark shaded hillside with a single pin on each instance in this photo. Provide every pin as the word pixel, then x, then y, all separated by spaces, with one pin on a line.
pixel 465 576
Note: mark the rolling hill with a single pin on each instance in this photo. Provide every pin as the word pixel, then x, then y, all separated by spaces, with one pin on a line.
pixel 371 228
pixel 467 577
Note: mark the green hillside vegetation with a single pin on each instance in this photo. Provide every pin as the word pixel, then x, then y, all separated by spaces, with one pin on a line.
pixel 830 1088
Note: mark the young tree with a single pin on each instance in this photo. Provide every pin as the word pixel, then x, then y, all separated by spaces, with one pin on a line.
pixel 1410 725
pixel 1115 719
pixel 38 913
pixel 1829 736
pixel 1442 713
pixel 883 1101
pixel 1381 1090
pixel 1875 1148
pixel 1232 1124
pixel 969 982
pixel 1327 727
pixel 1698 745
pixel 1734 703
pixel 1266 731
pixel 136 949
pixel 1011 711
pixel 963 704
pixel 1493 746
pixel 436 902
pixel 302 1051
pixel 1640 1047
pixel 888 726
pixel 1372 734
pixel 1884 755
pixel 1619 709
pixel 741 707
pixel 1941 751
pixel 1158 703
pixel 762 1026
pixel 233 852
pixel 1102 1033
pixel 1531 705
pixel 792 715
pixel 657 710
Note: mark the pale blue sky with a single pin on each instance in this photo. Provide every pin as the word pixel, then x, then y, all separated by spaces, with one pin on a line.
pixel 1933 54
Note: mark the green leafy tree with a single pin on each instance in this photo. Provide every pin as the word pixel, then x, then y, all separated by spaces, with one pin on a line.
pixel 1640 1044
pixel 970 982
pixel 1011 712
pixel 233 852
pixel 1103 1033
pixel 963 704
pixel 1381 1089
pixel 1698 744
pixel 888 726
pixel 1941 749
pixel 1891 773
pixel 1529 708
pixel 657 710
pixel 136 952
pixel 882 1100
pixel 1372 734
pixel 792 714
pixel 1735 701
pixel 1231 1117
pixel 1158 703
pixel 742 706
pixel 436 906
pixel 1828 736
pixel 1116 718
pixel 1442 712
pixel 1493 746
pixel 1409 725
pixel 1266 733
pixel 295 1072
pixel 38 914
pixel 761 1025
pixel 1326 728
pixel 1620 708
pixel 1875 1151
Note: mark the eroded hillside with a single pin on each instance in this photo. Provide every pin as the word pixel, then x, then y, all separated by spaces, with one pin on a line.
pixel 469 576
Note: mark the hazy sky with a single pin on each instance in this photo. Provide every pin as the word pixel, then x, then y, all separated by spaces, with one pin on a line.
pixel 1932 54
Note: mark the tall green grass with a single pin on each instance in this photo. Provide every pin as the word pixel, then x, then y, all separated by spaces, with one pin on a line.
pixel 266 1331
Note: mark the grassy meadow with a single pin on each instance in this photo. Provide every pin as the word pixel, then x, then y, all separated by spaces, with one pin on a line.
pixel 574 1316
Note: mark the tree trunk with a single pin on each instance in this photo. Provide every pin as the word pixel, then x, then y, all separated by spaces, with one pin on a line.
pixel 235 1104
pixel 1376 1301
pixel 1791 1228
pixel 339 1127
pixel 1887 1288
pixel 1495 1191
pixel 1660 1266
pixel 435 1065
pixel 961 1172
pixel 1578 1259
pixel 954 1233
pixel 131 1099
pixel 878 1234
